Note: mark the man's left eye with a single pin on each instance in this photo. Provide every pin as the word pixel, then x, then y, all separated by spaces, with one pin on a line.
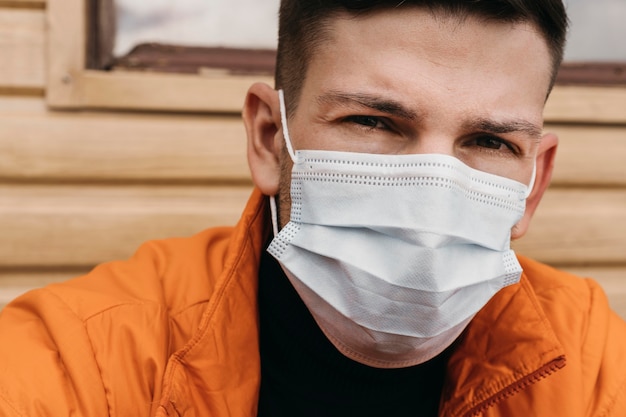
pixel 367 121
pixel 491 142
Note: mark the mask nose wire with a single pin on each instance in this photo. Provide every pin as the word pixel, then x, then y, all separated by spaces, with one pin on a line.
pixel 283 121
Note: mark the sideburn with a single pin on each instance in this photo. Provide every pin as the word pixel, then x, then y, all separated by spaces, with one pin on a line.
pixel 283 202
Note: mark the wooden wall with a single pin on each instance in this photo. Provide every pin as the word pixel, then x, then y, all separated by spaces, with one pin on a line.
pixel 83 187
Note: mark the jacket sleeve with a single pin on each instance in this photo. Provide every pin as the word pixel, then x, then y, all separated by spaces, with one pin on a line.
pixel 94 346
pixel 47 365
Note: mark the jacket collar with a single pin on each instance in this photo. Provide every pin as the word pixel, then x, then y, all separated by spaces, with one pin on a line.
pixel 218 372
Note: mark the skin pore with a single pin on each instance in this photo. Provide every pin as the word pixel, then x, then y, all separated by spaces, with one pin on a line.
pixel 403 81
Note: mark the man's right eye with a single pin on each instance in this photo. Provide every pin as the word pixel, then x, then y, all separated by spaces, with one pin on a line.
pixel 371 122
pixel 491 142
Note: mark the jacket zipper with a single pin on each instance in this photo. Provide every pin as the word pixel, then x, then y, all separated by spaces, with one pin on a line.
pixel 541 373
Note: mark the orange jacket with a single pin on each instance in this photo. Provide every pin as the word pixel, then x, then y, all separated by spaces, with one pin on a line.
pixel 174 332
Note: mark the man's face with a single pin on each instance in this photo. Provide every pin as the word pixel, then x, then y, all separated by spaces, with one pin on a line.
pixel 403 81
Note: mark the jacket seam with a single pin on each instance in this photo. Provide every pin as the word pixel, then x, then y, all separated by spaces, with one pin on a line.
pixel 176 359
pixel 182 311
pixel 583 311
pixel 209 315
pixel 524 369
pixel 99 312
pixel 161 271
pixel 495 389
pixel 83 322
pixel 228 279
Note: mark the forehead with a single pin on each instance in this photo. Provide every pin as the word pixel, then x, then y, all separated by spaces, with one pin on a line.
pixel 405 43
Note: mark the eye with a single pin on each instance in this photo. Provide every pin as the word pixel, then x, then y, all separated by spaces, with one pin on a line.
pixel 370 122
pixel 494 143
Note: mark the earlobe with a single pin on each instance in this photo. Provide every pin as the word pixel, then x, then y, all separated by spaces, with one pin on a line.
pixel 545 165
pixel 261 118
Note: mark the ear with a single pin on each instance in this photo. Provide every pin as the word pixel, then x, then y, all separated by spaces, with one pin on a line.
pixel 261 117
pixel 545 165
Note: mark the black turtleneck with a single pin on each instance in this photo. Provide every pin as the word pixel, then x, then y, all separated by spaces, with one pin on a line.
pixel 302 374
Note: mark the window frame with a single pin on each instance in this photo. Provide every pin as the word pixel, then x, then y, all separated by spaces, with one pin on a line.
pixel 71 85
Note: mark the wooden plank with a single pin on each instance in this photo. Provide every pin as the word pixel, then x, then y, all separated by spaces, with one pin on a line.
pixel 612 279
pixel 23 4
pixel 590 155
pixel 61 226
pixel 66 49
pixel 14 284
pixel 584 104
pixel 22 52
pixel 173 92
pixel 578 227
pixel 115 147
pixel 20 105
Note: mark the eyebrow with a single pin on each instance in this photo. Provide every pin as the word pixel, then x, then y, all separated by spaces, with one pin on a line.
pixel 395 108
pixel 379 104
pixel 510 126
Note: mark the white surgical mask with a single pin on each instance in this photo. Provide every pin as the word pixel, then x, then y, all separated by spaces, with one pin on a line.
pixel 394 254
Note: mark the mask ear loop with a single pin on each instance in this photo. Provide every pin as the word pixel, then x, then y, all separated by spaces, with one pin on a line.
pixel 292 155
pixel 531 185
pixel 283 121
pixel 274 215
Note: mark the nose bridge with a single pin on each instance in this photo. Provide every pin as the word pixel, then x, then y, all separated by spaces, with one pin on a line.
pixel 436 130
pixel 434 142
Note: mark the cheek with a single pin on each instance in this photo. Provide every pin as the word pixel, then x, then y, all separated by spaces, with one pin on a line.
pixel 519 170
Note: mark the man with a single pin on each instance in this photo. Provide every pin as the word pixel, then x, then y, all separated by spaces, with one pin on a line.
pixel 402 152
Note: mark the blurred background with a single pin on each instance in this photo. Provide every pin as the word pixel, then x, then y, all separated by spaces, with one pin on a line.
pixel 120 123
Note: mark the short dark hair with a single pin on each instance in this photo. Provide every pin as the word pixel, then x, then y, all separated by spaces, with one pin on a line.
pixel 303 24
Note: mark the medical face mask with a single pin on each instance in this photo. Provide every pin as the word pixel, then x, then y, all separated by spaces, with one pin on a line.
pixel 394 254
